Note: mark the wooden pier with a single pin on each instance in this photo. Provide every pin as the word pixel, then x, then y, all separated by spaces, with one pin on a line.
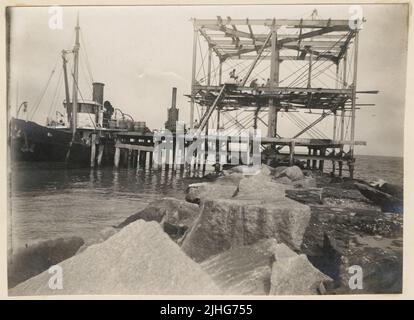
pixel 135 150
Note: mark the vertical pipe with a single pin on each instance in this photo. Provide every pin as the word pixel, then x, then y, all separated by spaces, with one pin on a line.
pixel 354 84
pixel 174 98
pixel 220 72
pixel 193 76
pixel 209 66
pixel 310 69
pixel 218 142
pixel 344 85
pixel 240 153
pixel 335 120
pixel 335 116
pixel 228 151
pixel 274 82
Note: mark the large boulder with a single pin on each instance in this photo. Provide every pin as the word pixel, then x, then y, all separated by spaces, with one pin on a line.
pixel 391 202
pixel 174 215
pixel 139 259
pixel 260 188
pixel 306 196
pixel 305 183
pixel 293 173
pixel 230 223
pixel 293 274
pixel 197 192
pixel 244 270
pixel 250 170
pixel 228 185
pixel 34 259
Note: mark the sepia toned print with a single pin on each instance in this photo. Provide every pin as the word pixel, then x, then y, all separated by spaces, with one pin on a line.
pixel 233 150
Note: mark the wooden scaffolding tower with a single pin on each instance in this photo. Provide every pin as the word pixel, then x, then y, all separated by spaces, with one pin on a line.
pixel 260 48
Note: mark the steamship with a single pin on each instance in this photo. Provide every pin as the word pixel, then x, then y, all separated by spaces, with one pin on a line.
pixel 69 139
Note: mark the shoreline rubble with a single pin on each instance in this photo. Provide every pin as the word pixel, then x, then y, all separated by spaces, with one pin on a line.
pixel 279 231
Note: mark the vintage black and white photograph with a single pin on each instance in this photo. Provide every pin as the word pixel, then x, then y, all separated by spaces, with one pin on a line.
pixel 232 150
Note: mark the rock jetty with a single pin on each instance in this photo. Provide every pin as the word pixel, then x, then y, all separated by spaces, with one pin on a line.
pixel 254 231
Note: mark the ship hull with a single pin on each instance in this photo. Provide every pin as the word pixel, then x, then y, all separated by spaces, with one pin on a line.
pixel 30 141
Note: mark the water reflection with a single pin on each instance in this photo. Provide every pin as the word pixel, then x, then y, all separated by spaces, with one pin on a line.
pixel 50 201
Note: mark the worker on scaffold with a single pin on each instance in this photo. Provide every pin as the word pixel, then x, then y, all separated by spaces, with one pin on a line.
pixel 253 85
pixel 233 76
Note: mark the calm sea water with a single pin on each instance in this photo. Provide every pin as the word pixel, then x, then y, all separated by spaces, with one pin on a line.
pixel 49 201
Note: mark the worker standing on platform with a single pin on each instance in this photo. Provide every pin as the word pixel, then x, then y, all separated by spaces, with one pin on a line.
pixel 233 76
pixel 253 84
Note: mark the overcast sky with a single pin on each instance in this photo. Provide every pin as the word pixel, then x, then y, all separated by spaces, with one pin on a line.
pixel 140 53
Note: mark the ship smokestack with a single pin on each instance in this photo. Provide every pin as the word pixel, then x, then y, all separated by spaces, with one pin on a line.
pixel 97 92
pixel 174 97
pixel 171 122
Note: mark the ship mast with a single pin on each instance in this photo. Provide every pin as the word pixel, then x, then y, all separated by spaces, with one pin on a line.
pixel 65 75
pixel 75 80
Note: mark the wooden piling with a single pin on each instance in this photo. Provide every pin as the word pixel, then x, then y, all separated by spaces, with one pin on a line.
pixel 322 162
pixel 137 158
pixel 128 154
pixel 150 161
pixel 292 153
pixel 240 153
pixel 144 159
pixel 100 153
pixel 117 157
pixel 228 151
pixel 93 150
pixel 167 159
pixel 315 153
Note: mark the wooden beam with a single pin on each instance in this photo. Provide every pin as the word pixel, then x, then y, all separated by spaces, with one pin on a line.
pixel 260 37
pixel 134 147
pixel 239 52
pixel 344 47
pixel 309 141
pixel 281 58
pixel 279 90
pixel 210 43
pixel 250 44
pixel 274 83
pixel 314 33
pixel 255 61
pixel 317 23
pixel 230 32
